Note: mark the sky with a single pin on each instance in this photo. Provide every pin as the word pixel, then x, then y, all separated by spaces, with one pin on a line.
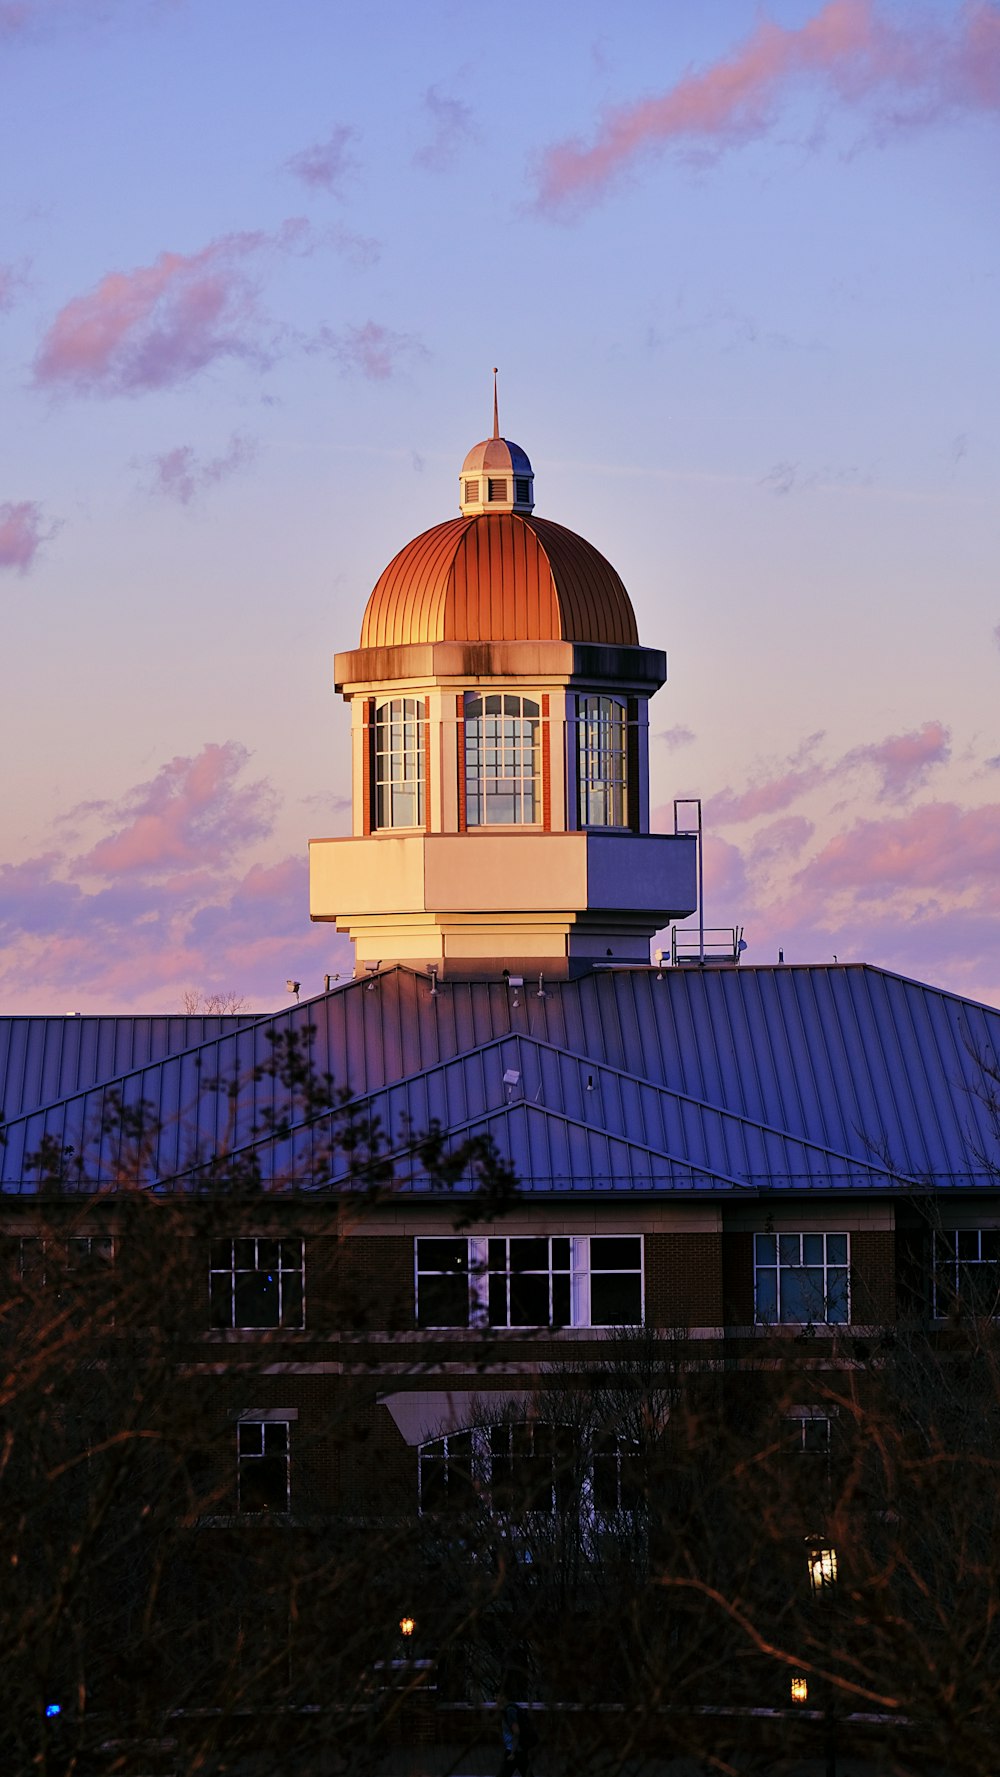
pixel 738 265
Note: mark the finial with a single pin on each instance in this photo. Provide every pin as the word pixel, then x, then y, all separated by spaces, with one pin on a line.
pixel 496 415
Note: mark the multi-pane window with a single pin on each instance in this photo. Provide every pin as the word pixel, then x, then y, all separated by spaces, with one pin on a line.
pixel 80 1253
pixel 530 1466
pixel 263 1451
pixel 399 762
pixel 547 1280
pixel 502 760
pixel 800 1278
pixel 602 775
pixel 256 1282
pixel 967 1271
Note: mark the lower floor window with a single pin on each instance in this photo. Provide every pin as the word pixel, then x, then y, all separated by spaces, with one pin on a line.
pixel 545 1280
pixel 967 1271
pixel 532 1467
pixel 800 1278
pixel 263 1465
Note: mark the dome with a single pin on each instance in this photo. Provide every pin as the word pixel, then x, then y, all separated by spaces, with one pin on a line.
pixel 497 453
pixel 499 577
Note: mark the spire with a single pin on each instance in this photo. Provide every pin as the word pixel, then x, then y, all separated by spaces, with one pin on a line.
pixel 496 414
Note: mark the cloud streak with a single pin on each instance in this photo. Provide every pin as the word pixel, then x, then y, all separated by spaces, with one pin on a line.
pixel 909 69
pixel 369 349
pixel 451 130
pixel 159 325
pixel 180 475
pixel 325 166
pixel 23 531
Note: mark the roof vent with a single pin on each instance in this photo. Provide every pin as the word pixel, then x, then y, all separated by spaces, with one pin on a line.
pixel 472 491
pixel 497 488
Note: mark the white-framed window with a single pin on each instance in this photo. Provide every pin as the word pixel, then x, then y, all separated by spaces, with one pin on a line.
pixel 399 762
pixel 530 1280
pixel 801 1278
pixel 502 760
pixel 79 1254
pixel 809 1431
pixel 530 1467
pixel 257 1282
pixel 966 1275
pixel 263 1464
pixel 602 754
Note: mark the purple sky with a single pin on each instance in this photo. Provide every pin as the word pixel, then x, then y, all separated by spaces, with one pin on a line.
pixel 738 264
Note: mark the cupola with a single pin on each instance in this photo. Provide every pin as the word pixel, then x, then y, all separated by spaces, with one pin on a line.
pixel 496 475
pixel 500 735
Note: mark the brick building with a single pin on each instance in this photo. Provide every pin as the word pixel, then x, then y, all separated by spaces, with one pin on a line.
pixel 731 1154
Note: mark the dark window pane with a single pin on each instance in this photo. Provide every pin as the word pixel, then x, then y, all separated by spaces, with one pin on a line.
pixel 442 1255
pixel 245 1254
pixel 615 1254
pixel 560 1301
pixel 615 1301
pixel 220 1289
pixel 291 1300
pixel 275 1437
pixel 264 1484
pixel 256 1299
pixel 765 1249
pixel 812 1249
pixel 497 1251
pixel 443 1302
pixel 529 1255
pixel 990 1239
pixel 789 1249
pixel 529 1301
pixel 267 1255
pixel 968 1243
pixel 836 1249
pixel 221 1255
pixel 560 1253
pixel 767 1294
pixel 497 1311
pixel 291 1255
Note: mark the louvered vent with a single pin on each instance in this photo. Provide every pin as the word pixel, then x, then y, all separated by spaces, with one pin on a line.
pixel 522 492
pixel 471 492
pixel 498 489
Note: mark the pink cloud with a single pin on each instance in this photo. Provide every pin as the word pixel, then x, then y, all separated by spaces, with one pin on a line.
pixel 860 55
pixel 373 351
pixel 904 760
pixel 159 325
pixel 784 838
pixel 193 813
pixel 179 475
pixel 22 533
pixel 326 164
pixel 996 635
pixel 938 846
pixel 730 806
pixel 678 736
pixel 452 129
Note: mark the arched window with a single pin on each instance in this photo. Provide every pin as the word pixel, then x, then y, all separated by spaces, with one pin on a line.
pixel 502 760
pixel 399 763
pixel 603 762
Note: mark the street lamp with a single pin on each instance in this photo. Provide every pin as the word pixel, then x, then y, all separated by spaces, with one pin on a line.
pixel 800 1688
pixel 821 1560
pixel 406 1626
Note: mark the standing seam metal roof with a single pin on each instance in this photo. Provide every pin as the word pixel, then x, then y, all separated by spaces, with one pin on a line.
pixel 820 1078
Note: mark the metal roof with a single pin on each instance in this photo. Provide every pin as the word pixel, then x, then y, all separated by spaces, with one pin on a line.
pixel 499 576
pixel 816 1078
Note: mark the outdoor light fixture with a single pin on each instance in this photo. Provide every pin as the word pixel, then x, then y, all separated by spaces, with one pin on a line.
pixel 293 987
pixel 406 1626
pixel 373 969
pixel 800 1688
pixel 822 1560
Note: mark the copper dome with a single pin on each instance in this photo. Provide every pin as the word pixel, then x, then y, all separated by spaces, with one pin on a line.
pixel 499 577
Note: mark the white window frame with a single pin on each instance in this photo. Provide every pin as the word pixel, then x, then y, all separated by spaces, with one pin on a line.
pixel 958 1261
pixel 285 1321
pixel 398 770
pixel 782 1265
pixel 500 763
pixel 602 759
pixel 478 1452
pixel 580 1273
pixel 253 1427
